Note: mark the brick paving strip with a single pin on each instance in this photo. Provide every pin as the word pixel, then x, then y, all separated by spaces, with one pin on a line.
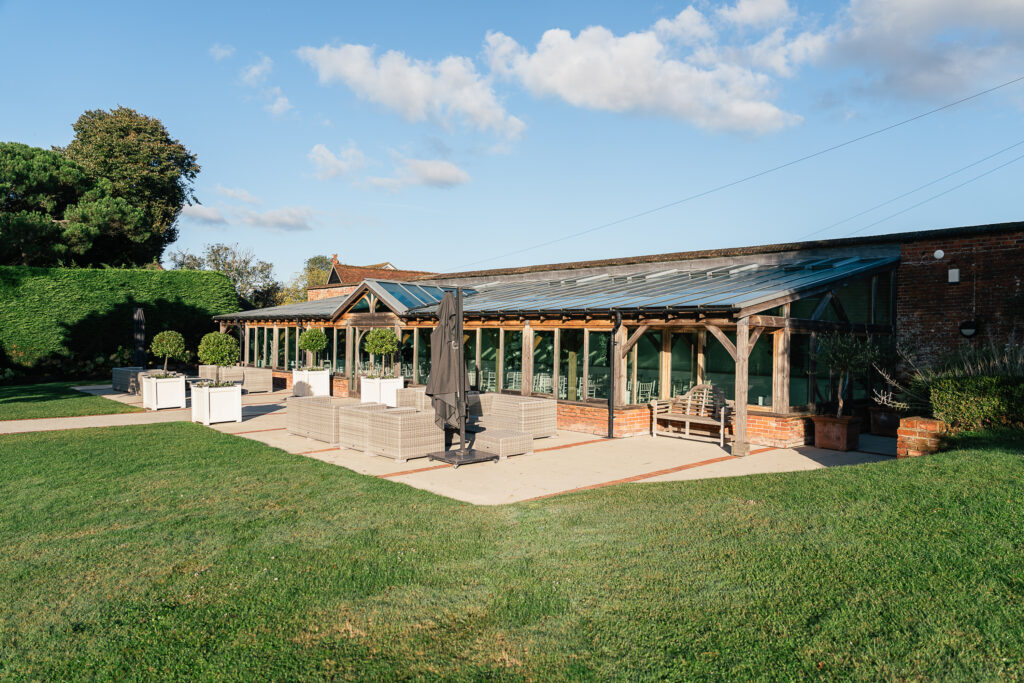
pixel 256 431
pixel 638 477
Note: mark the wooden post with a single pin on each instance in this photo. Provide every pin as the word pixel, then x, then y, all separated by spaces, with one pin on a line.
pixel 223 327
pixel 586 365
pixel 665 366
pixel 527 387
pixel 297 349
pixel 499 364
pixel 273 353
pixel 812 368
pixel 348 357
pixel 741 446
pixel 415 355
pixel 478 368
pixel 554 365
pixel 702 363
pixel 780 371
pixel 245 343
pixel 619 368
pixel 633 376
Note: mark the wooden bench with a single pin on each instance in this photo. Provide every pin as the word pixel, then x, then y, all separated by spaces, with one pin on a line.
pixel 704 404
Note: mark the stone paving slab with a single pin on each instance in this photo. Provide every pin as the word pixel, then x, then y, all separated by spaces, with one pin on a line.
pixel 568 461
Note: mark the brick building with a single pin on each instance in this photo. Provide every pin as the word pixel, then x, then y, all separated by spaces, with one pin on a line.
pixel 744 319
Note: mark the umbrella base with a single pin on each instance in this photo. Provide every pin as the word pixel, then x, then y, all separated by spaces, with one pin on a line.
pixel 455 458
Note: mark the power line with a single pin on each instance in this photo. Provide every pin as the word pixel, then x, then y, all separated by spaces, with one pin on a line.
pixel 916 189
pixel 936 196
pixel 748 178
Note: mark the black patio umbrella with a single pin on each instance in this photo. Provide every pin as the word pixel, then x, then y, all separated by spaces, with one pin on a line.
pixel 448 384
pixel 139 334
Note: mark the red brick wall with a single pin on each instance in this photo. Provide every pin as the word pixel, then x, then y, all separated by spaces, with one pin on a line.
pixel 326 292
pixel 593 419
pixel 779 431
pixel 991 291
pixel 339 386
pixel 918 436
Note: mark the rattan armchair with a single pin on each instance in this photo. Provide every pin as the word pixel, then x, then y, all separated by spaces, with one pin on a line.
pixel 403 433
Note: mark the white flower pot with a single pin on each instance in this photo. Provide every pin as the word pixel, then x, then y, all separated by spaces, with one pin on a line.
pixel 311 382
pixel 216 404
pixel 380 390
pixel 168 392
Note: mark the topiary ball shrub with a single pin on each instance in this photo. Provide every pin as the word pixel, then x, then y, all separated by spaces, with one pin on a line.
pixel 313 340
pixel 217 348
pixel 168 344
pixel 382 342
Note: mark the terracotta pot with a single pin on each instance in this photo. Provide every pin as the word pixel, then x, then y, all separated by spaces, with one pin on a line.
pixel 884 421
pixel 836 433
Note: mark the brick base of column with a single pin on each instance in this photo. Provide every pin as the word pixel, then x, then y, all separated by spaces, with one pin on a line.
pixel 919 436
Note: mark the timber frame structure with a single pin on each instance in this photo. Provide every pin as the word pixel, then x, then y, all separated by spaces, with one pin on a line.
pixel 680 327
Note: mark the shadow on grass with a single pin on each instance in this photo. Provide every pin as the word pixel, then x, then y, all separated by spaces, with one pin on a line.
pixel 1006 439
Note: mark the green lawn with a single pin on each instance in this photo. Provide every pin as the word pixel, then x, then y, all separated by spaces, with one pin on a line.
pixel 55 399
pixel 174 551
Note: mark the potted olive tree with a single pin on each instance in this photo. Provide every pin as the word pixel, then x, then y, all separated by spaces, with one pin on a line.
pixel 846 356
pixel 166 389
pixel 312 381
pixel 382 386
pixel 217 399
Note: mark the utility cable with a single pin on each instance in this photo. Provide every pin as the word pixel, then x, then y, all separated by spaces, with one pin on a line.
pixel 907 194
pixel 748 178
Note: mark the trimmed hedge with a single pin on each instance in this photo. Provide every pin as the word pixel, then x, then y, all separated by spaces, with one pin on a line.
pixel 78 321
pixel 979 402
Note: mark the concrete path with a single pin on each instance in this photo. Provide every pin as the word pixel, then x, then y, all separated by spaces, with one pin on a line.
pixel 567 462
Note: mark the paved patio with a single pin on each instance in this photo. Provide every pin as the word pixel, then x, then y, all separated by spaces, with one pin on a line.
pixel 566 462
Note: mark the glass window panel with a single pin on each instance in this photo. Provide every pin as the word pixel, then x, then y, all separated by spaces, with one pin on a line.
pixel 570 365
pixel 599 372
pixel 804 308
pixel 339 358
pixel 252 346
pixel 405 353
pixel 721 369
pixel 856 300
pixel 403 297
pixel 648 363
pixel 489 359
pixel 469 354
pixel 684 362
pixel 424 356
pixel 261 352
pixel 760 372
pixel 799 366
pixel 512 362
pixel 361 306
pixel 282 345
pixel 300 355
pixel 543 361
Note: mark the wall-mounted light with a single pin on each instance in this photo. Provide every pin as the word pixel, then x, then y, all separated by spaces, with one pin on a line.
pixel 954 276
pixel 939 254
pixel 969 328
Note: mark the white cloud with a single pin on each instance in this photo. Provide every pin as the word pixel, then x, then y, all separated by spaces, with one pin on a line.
pixel 255 74
pixel 428 172
pixel 288 218
pixel 639 73
pixel 418 90
pixel 237 193
pixel 931 48
pixel 689 27
pixel 219 52
pixel 758 13
pixel 329 165
pixel 203 214
pixel 279 104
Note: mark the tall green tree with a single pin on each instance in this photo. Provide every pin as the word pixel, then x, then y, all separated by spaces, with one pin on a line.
pixel 314 273
pixel 146 167
pixel 253 279
pixel 51 210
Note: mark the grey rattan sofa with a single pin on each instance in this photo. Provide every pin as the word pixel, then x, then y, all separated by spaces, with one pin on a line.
pixel 354 424
pixel 403 433
pixel 535 416
pixel 314 417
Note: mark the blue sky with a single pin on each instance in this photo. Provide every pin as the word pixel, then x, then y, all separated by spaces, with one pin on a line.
pixel 363 129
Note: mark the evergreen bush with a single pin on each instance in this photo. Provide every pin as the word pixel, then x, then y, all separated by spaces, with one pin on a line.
pixel 217 348
pixel 968 403
pixel 74 321
pixel 167 345
pixel 313 340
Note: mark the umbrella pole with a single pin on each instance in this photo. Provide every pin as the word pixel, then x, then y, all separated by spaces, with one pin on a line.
pixel 463 399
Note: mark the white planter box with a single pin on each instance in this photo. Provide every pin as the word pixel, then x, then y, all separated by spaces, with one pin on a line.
pixel 216 404
pixel 163 393
pixel 311 382
pixel 380 390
